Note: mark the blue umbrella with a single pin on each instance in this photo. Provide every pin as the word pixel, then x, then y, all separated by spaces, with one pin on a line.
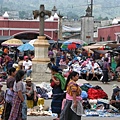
pixel 25 47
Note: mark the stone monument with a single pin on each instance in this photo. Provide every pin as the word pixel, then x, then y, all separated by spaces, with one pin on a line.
pixel 41 49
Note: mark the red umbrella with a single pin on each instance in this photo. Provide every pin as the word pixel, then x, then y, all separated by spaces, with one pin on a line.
pixel 72 46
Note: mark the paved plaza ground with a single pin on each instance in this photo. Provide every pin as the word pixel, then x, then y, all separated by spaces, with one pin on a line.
pixel 83 118
pixel 107 88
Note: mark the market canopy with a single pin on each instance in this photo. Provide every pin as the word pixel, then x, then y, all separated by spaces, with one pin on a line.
pixel 102 51
pixel 92 47
pixel 12 42
pixel 112 45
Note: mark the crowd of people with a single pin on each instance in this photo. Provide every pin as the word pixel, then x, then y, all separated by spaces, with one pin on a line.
pixel 72 64
pixel 66 94
pixel 83 63
pixel 16 60
pixel 17 94
pixel 17 68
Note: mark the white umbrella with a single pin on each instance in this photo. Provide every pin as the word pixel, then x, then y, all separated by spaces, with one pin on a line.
pixel 32 42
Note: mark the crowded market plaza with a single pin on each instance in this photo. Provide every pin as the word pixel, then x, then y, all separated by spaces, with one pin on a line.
pixel 47 75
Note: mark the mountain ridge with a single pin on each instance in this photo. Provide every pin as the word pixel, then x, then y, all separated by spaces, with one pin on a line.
pixel 102 8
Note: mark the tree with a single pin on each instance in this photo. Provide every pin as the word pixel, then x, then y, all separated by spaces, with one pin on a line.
pixel 106 18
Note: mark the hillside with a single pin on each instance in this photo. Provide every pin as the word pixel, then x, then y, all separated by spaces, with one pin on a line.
pixel 102 8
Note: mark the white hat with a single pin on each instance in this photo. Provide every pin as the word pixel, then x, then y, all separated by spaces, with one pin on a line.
pixel 28 79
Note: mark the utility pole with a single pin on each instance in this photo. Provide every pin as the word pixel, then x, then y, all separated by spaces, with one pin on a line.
pixel 91 7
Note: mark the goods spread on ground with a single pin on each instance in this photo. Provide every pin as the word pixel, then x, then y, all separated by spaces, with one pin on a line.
pixel 39 111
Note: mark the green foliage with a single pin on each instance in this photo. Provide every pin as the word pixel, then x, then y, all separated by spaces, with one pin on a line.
pixel 106 18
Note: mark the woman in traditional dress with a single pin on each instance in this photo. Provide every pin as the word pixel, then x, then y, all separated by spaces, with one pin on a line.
pixel 18 98
pixel 58 85
pixel 73 106
pixel 106 70
pixel 9 93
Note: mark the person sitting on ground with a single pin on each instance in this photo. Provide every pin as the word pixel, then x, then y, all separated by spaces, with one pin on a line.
pixel 31 91
pixel 27 66
pixel 115 100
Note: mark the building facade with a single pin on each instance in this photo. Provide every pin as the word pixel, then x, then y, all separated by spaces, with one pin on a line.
pixel 27 29
pixel 109 33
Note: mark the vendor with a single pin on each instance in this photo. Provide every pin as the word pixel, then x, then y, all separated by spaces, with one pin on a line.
pixel 31 91
pixel 115 100
pixel 89 68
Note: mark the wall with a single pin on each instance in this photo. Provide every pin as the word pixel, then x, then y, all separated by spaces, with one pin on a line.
pixel 104 32
pixel 11 27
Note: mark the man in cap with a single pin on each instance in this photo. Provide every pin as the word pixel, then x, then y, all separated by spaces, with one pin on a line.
pixel 31 91
pixel 115 100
